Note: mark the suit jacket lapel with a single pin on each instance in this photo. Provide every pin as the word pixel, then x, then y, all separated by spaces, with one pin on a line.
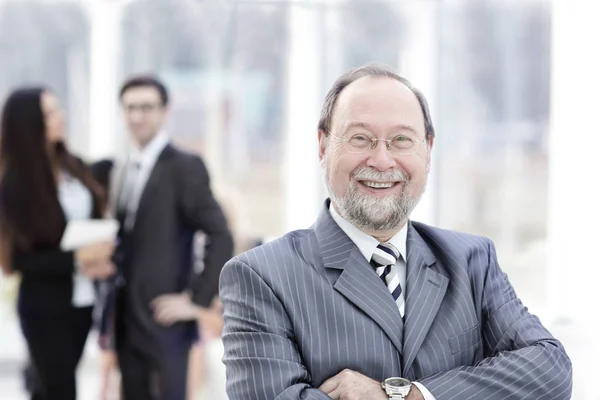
pixel 153 180
pixel 425 290
pixel 357 281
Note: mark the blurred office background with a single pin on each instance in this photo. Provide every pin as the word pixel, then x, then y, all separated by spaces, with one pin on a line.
pixel 512 85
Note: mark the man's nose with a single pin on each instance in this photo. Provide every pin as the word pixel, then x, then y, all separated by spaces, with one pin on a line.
pixel 380 157
pixel 135 115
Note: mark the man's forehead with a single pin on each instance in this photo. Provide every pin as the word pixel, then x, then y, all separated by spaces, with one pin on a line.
pixel 377 95
pixel 363 88
pixel 141 93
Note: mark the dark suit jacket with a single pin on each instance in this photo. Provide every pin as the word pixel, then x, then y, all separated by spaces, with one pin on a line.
pixel 156 256
pixel 46 277
pixel 301 309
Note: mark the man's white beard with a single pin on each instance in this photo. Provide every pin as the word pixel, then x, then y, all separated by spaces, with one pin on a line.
pixel 374 213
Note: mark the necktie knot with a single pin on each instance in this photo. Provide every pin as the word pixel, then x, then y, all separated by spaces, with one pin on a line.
pixel 385 254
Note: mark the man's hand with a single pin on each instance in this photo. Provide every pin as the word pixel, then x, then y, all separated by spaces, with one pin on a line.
pixel 350 385
pixel 171 308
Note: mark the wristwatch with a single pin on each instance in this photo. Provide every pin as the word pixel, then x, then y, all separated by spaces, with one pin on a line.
pixel 396 388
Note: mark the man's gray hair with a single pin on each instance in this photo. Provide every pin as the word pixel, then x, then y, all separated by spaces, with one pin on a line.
pixel 360 72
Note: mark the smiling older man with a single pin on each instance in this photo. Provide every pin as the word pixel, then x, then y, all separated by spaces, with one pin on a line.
pixel 367 304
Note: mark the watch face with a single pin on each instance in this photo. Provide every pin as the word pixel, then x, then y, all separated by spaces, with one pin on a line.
pixel 397 382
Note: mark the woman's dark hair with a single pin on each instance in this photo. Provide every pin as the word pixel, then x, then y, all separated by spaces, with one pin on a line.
pixel 30 212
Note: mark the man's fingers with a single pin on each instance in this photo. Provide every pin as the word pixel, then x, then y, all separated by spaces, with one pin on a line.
pixel 171 308
pixel 165 320
pixel 164 314
pixel 161 301
pixel 164 299
pixel 166 310
pixel 330 385
pixel 166 306
pixel 336 394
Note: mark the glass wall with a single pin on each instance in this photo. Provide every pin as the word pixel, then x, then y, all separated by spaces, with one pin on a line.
pixel 248 76
pixel 226 64
pixel 492 118
pixel 46 42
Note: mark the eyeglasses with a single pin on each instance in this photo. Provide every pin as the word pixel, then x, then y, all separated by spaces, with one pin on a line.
pixel 144 108
pixel 401 145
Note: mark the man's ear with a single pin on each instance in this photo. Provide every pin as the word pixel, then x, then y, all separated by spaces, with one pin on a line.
pixel 322 144
pixel 430 141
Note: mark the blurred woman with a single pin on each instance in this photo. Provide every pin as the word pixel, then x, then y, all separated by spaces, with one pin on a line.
pixel 42 186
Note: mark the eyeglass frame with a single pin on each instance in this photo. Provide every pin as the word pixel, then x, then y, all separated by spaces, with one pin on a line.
pixel 144 108
pixel 374 140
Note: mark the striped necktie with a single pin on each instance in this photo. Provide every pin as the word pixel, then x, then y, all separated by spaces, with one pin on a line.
pixel 384 261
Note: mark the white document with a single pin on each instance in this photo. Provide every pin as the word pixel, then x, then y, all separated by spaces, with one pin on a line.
pixel 81 232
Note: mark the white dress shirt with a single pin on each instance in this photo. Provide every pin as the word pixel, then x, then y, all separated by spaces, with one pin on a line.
pixel 367 245
pixel 140 164
pixel 77 203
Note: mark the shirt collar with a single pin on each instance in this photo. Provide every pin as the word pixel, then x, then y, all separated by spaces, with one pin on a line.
pixel 365 242
pixel 149 153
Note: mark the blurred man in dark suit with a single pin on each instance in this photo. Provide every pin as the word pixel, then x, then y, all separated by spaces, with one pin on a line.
pixel 161 197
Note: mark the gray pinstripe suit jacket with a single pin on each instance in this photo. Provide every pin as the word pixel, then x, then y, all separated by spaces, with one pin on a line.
pixel 302 308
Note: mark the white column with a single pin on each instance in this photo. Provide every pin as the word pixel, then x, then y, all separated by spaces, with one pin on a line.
pixel 304 98
pixel 237 144
pixel 78 107
pixel 573 190
pixel 215 126
pixel 417 62
pixel 574 186
pixel 333 50
pixel 105 58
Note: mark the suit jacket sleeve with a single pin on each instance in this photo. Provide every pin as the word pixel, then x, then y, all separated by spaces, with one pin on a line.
pixel 52 261
pixel 523 360
pixel 261 356
pixel 201 211
pixel 44 263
